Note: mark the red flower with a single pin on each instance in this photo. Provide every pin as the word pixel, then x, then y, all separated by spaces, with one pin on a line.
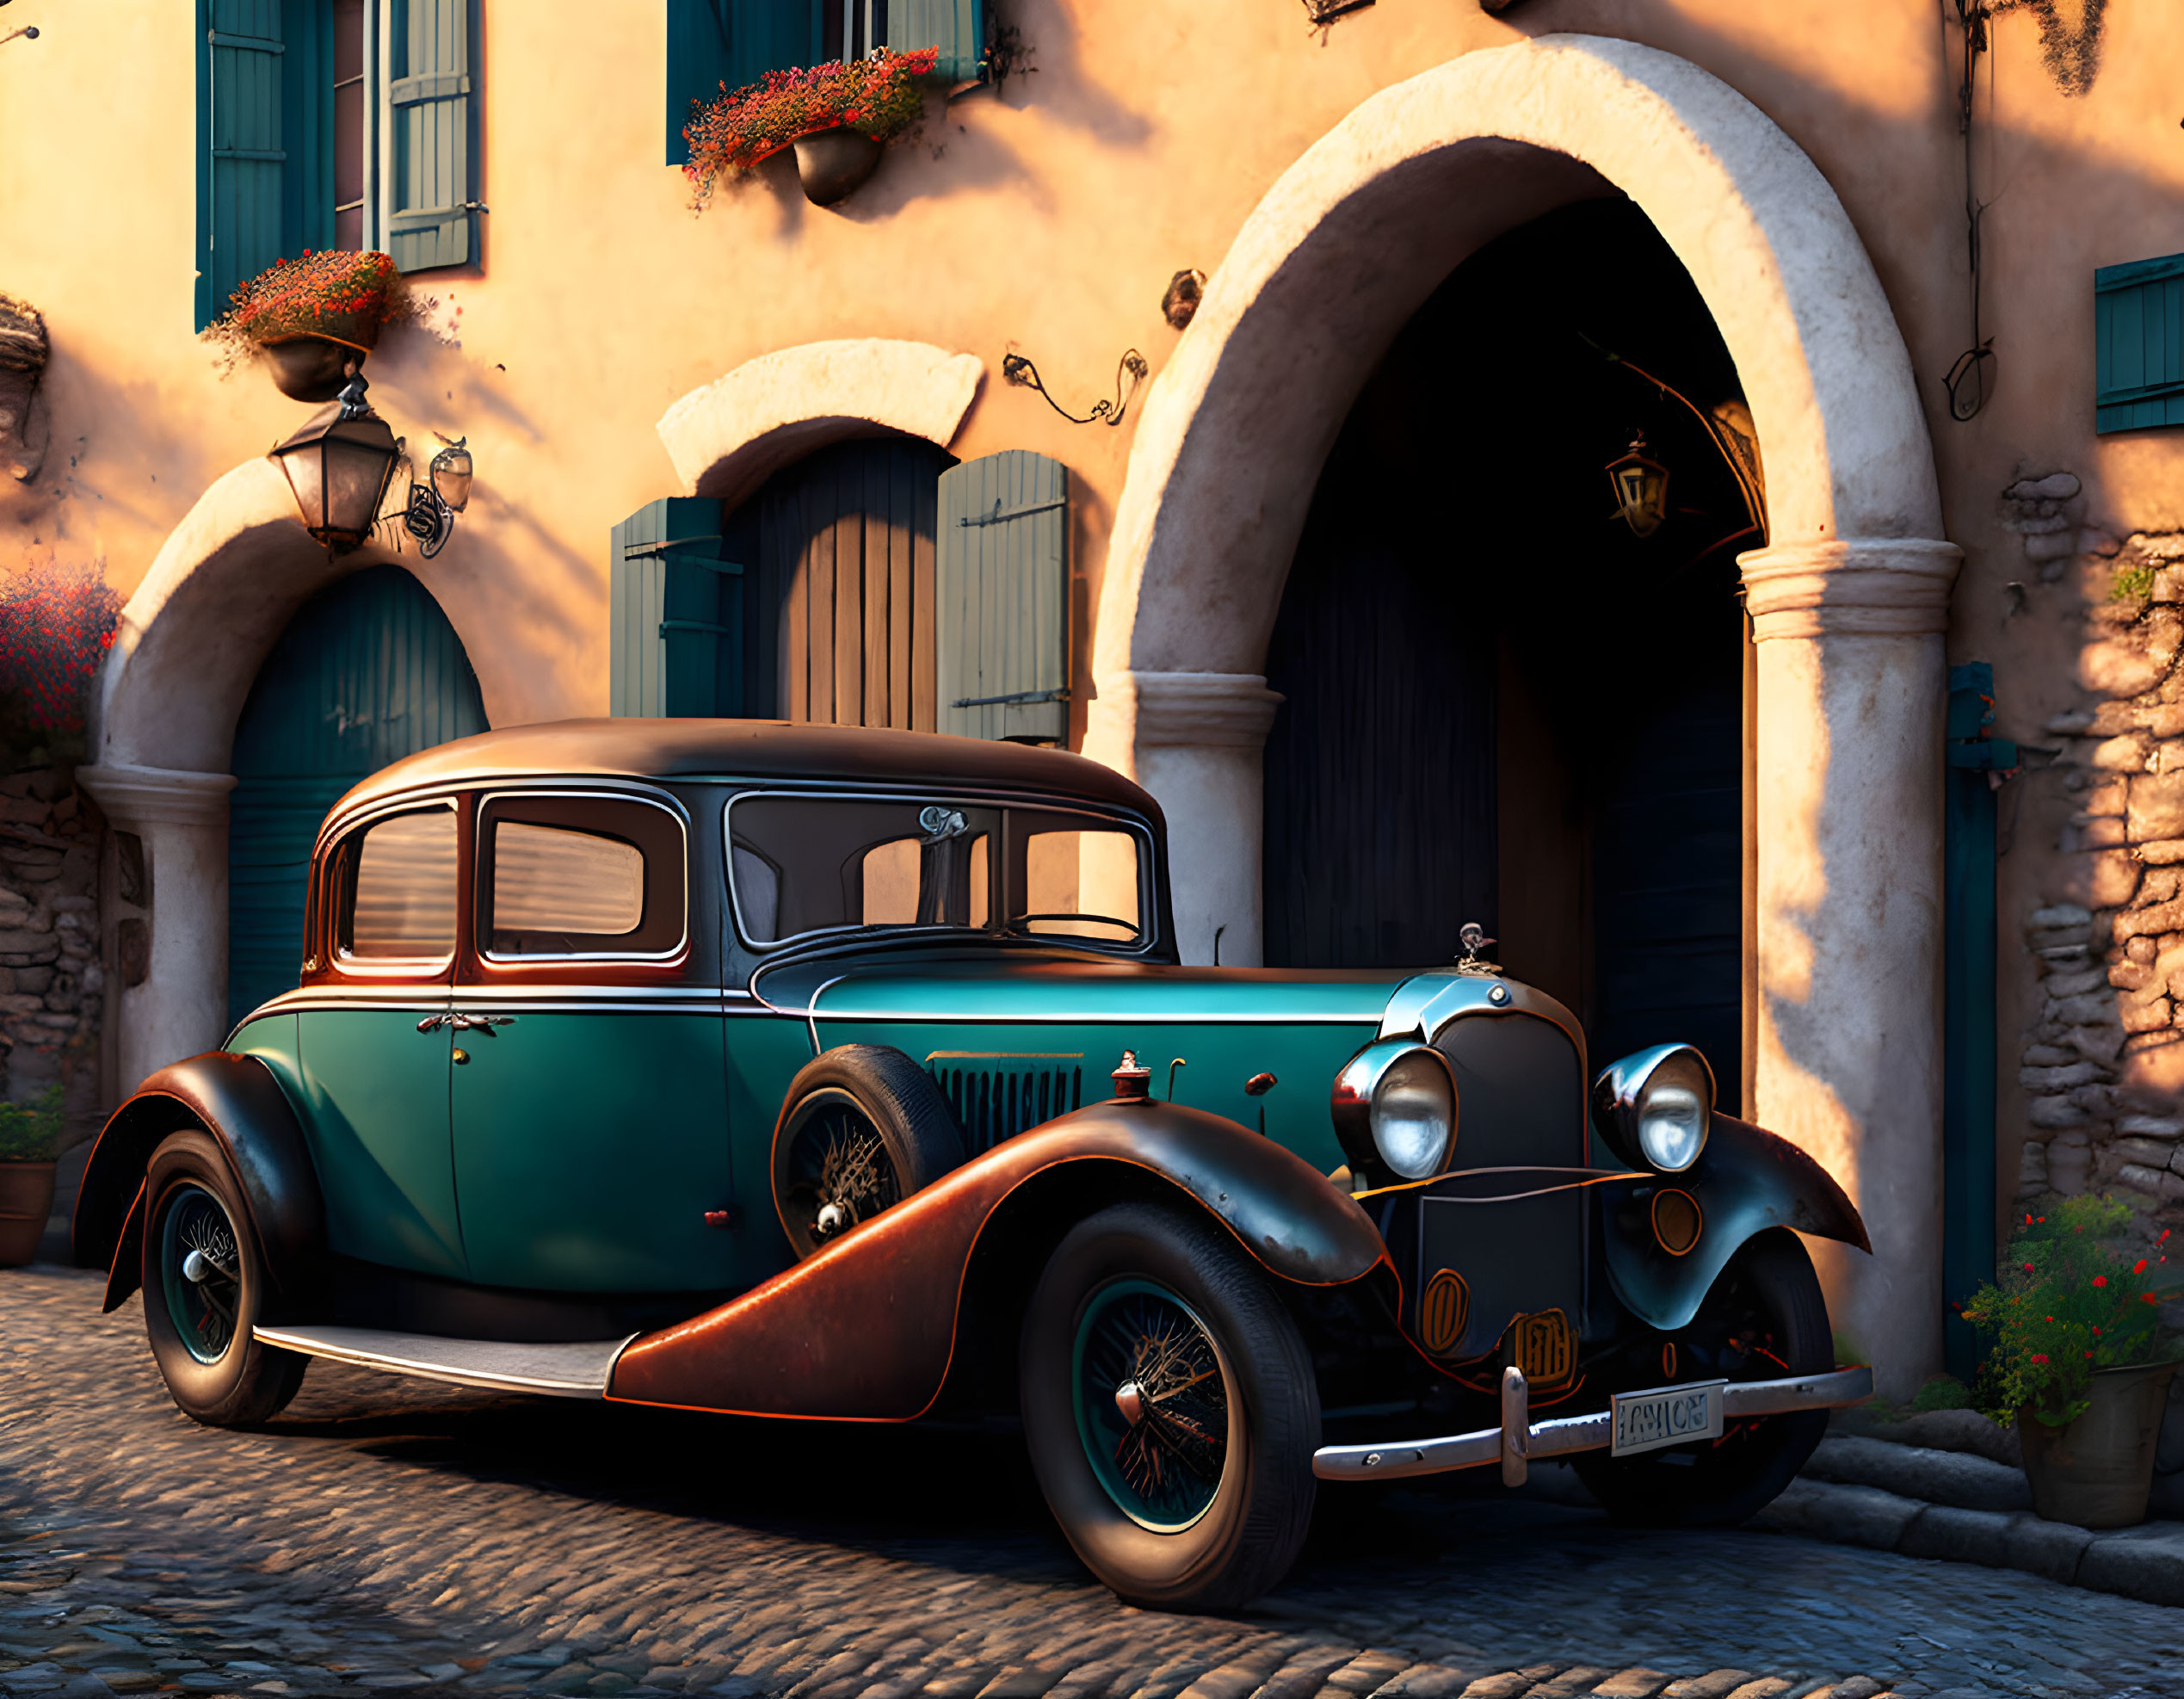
pixel 2139 1267
pixel 2043 1359
pixel 2028 1268
pixel 2096 1333
pixel 2101 1279
pixel 2089 1354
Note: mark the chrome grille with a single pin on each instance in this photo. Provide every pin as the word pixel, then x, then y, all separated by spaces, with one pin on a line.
pixel 1520 1092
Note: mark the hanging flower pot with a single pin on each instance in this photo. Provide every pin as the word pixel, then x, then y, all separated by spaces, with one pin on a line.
pixel 307 318
pixel 832 162
pixel 836 116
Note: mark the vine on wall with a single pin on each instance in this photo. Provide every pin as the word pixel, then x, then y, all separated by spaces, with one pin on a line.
pixel 2069 48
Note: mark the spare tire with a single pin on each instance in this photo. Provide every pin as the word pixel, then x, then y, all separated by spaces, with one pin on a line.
pixel 861 1128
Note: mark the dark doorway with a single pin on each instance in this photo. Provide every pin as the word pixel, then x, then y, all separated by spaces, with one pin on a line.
pixel 1502 703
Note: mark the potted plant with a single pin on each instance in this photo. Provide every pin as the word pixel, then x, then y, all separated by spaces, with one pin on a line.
pixel 29 1141
pixel 2079 1361
pixel 310 318
pixel 837 116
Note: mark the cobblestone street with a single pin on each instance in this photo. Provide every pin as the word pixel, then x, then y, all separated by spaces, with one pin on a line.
pixel 388 1536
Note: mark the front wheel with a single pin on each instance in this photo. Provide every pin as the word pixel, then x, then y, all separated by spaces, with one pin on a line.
pixel 204 1287
pixel 1764 1318
pixel 1170 1410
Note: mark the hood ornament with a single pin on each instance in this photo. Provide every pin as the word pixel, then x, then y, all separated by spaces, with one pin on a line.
pixel 1474 939
pixel 1133 1079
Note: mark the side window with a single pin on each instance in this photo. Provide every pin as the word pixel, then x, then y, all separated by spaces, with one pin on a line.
pixel 1082 884
pixel 895 883
pixel 579 876
pixel 397 889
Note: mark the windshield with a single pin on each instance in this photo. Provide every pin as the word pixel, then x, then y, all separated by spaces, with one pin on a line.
pixel 798 865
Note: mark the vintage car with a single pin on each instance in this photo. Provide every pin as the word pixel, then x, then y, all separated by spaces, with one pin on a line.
pixel 791 1070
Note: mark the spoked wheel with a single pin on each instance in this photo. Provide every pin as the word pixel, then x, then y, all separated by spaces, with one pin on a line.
pixel 1763 1319
pixel 1169 1409
pixel 862 1127
pixel 203 1290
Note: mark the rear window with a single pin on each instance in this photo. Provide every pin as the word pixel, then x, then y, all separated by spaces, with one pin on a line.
pixel 801 865
pixel 396 889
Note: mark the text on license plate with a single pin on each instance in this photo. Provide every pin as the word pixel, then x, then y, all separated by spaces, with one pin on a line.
pixel 1666 1416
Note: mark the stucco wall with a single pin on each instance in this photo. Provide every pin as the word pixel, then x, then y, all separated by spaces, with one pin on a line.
pixel 1046 220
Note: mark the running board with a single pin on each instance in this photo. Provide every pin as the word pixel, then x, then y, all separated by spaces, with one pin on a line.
pixel 558 1371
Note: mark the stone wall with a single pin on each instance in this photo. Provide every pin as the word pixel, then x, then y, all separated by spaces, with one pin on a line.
pixel 2103 1068
pixel 52 985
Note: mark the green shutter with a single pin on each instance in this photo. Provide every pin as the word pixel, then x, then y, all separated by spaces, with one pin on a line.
pixel 957 27
pixel 1002 592
pixel 432 119
pixel 676 641
pixel 713 44
pixel 241 155
pixel 2138 342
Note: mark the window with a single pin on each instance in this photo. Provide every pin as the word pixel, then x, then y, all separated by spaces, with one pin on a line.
pixel 801 865
pixel 2138 344
pixel 332 124
pixel 397 889
pixel 580 875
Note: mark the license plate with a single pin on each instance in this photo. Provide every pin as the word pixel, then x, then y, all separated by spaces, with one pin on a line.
pixel 1666 1416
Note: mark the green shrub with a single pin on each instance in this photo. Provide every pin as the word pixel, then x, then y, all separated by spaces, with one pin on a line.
pixel 2066 1306
pixel 32 1131
pixel 1943 1392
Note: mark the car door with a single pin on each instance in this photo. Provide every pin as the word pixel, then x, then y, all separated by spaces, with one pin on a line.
pixel 373 1041
pixel 589 1104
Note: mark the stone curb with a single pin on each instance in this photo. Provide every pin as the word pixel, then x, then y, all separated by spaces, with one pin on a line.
pixel 2146 1562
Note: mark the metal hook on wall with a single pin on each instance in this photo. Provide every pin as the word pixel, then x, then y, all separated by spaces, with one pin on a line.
pixel 1020 371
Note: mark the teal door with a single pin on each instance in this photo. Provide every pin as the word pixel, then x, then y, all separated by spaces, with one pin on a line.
pixel 368 672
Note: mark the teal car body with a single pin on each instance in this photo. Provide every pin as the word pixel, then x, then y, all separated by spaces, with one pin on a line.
pixel 558 984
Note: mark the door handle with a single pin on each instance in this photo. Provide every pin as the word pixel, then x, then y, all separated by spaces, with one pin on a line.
pixel 433 1022
pixel 479 1023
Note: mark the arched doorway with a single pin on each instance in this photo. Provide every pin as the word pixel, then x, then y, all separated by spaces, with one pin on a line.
pixel 1848 601
pixel 1501 702
pixel 367 671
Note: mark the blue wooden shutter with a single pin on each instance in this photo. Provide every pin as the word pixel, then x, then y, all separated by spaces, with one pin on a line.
pixel 432 118
pixel 241 155
pixel 1001 596
pixel 676 642
pixel 2138 342
pixel 957 27
pixel 717 45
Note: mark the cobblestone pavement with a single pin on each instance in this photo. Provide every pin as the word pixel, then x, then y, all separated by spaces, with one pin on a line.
pixel 385 1536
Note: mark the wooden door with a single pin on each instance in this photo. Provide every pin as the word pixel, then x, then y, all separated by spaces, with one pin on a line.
pixel 368 672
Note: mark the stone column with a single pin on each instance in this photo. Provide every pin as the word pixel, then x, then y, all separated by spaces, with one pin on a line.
pixel 1196 741
pixel 1852 685
pixel 181 1008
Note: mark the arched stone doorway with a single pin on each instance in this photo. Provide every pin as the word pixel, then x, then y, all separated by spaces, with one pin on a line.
pixel 1848 601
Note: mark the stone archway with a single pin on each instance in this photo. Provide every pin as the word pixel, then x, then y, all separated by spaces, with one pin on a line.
pixel 191 640
pixel 1849 600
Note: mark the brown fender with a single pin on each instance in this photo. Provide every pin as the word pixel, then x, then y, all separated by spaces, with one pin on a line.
pixel 865 1330
pixel 238 1101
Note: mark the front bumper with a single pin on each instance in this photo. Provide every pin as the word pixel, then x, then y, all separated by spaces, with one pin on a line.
pixel 1519 1439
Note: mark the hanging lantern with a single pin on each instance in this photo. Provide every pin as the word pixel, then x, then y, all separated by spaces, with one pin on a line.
pixel 451 474
pixel 339 465
pixel 1641 487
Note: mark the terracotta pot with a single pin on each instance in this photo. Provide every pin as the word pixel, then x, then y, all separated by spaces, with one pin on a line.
pixel 832 162
pixel 309 368
pixel 26 1200
pixel 2096 1471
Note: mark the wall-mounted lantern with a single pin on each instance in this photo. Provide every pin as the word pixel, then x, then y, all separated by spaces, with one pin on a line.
pixel 339 465
pixel 1641 485
pixel 431 515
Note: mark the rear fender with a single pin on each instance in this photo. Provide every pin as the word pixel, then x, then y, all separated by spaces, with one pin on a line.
pixel 867 1330
pixel 1745 1182
pixel 237 1101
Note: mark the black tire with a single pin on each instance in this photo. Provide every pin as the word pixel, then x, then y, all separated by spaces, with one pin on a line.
pixel 200 1316
pixel 1183 1524
pixel 862 1127
pixel 1768 1296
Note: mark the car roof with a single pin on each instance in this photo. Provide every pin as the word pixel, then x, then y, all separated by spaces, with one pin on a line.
pixel 748 749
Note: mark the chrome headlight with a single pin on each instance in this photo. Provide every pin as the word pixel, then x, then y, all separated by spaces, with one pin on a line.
pixel 1395 1109
pixel 1654 1106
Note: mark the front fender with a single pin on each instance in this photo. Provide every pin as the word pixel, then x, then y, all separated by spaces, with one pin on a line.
pixel 866 1329
pixel 236 1100
pixel 1747 1181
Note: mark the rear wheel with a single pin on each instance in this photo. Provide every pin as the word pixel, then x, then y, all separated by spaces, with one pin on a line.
pixel 862 1127
pixel 1764 1319
pixel 1169 1409
pixel 203 1289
